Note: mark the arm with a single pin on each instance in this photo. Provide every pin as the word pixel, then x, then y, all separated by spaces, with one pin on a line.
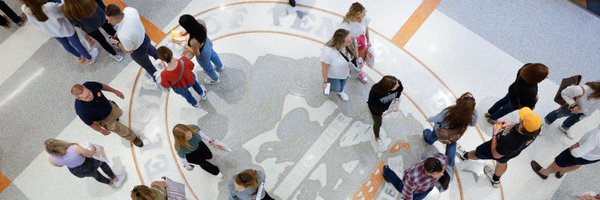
pixel 160 184
pixel 324 67
pixel 569 94
pixel 195 46
pixel 582 148
pixel 52 162
pixel 85 152
pixel 110 89
pixel 495 153
pixel 119 45
pixel 99 128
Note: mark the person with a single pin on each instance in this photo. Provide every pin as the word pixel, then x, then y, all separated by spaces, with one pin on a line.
pixel 156 191
pixel 335 61
pixel 131 36
pixel 508 141
pixel 201 46
pixel 419 179
pixel 89 17
pixel 357 22
pixel 17 19
pixel 80 161
pixel 245 185
pixel 451 124
pixel 191 149
pixel 102 115
pixel 586 151
pixel 49 18
pixel 521 93
pixel 583 101
pixel 381 96
pixel 179 75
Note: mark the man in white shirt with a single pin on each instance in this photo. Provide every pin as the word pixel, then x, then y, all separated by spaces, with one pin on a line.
pixel 131 36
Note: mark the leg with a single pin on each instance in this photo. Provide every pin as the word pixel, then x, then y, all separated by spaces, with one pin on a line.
pixel 113 125
pixel 343 84
pixel 562 171
pixel 214 58
pixel 204 61
pixel 498 105
pixel 391 177
pixel 110 30
pixel 506 108
pixel 140 56
pixel 555 114
pixel 200 156
pixel 186 94
pixel 10 13
pixel 3 21
pixel 552 168
pixel 107 170
pixel 572 120
pixel 429 136
pixel 451 153
pixel 151 49
pixel 377 121
pixel 99 177
pixel 67 46
pixel 97 35
pixel 500 169
pixel 198 88
pixel 74 40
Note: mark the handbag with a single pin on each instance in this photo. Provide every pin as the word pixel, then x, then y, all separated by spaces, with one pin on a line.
pixel 175 190
pixel 566 82
pixel 449 136
pixel 352 63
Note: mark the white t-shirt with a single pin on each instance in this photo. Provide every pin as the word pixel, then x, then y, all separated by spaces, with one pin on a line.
pixel 130 30
pixel 56 25
pixel 589 146
pixel 357 29
pixel 338 68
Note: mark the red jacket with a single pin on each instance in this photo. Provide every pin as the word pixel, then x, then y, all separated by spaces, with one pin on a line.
pixel 170 77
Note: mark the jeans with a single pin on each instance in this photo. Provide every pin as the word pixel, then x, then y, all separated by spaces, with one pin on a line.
pixel 337 85
pixel 200 157
pixel 502 107
pixel 140 56
pixel 572 118
pixel 208 55
pixel 185 92
pixel 97 35
pixel 74 46
pixel 391 177
pixel 430 137
pixel 376 124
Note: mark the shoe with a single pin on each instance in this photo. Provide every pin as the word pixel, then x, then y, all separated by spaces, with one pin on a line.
pixel 220 175
pixel 197 105
pixel 210 81
pixel 118 181
pixel 7 25
pixel 558 175
pixel 137 142
pixel 380 146
pixel 94 53
pixel 547 122
pixel 363 77
pixel 566 132
pixel 343 95
pixel 80 60
pixel 118 57
pixel 487 115
pixel 489 172
pixel 426 132
pixel 220 69
pixel 460 152
pixel 489 119
pixel 537 168
pixel 23 19
pixel 203 97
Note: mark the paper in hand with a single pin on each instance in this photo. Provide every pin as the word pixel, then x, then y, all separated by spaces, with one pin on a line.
pixel 220 145
pixel 100 153
pixel 327 89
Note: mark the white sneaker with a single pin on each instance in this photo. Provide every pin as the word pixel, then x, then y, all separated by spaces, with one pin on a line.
pixel 118 57
pixel 566 132
pixel 94 53
pixel 343 95
pixel 203 97
pixel 380 145
pixel 220 175
pixel 210 81
pixel 489 172
pixel 197 105
pixel 118 182
pixel 220 69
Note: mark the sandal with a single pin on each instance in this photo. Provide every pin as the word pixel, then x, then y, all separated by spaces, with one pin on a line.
pixel 558 175
pixel 537 168
pixel 80 60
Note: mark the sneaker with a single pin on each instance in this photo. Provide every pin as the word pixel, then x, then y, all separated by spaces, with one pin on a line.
pixel 489 172
pixel 210 81
pixel 343 95
pixel 220 175
pixel 220 69
pixel 363 77
pixel 118 181
pixel 460 152
pixel 197 106
pixel 203 97
pixel 380 145
pixel 94 53
pixel 566 132
pixel 137 142
pixel 118 57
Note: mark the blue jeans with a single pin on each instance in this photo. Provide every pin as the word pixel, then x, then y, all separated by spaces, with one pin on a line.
pixel 140 56
pixel 430 137
pixel 391 177
pixel 337 85
pixel 502 107
pixel 208 55
pixel 185 92
pixel 571 120
pixel 74 46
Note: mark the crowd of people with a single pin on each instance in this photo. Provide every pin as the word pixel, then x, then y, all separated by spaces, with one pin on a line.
pixel 346 53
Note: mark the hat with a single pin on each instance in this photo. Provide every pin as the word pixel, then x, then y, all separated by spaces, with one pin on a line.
pixel 531 121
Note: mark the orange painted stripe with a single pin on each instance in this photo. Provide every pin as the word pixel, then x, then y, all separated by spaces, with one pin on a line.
pixel 4 182
pixel 155 33
pixel 414 22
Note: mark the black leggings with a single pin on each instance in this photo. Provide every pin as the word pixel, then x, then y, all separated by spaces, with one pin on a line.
pixel 89 168
pixel 98 36
pixel 99 177
pixel 10 13
pixel 376 124
pixel 200 157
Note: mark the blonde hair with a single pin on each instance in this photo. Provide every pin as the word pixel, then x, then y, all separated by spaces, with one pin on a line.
pixel 354 10
pixel 179 134
pixel 78 9
pixel 337 42
pixel 247 178
pixel 57 147
pixel 142 192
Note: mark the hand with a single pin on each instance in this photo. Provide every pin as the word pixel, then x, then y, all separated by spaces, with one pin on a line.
pixel 93 149
pixel 113 41
pixel 105 132
pixel 119 94
pixel 575 109
pixel 576 145
pixel 188 54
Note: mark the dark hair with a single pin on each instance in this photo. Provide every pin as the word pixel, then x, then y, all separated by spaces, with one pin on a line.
pixel 36 9
pixel 247 178
pixel 460 115
pixel 113 10
pixel 195 29
pixel 164 53
pixel 596 87
pixel 433 165
pixel 386 84
pixel 534 73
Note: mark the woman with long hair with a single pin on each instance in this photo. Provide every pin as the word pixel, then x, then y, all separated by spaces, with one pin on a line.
pixel 191 149
pixel 202 47
pixel 49 18
pixel 381 96
pixel 357 22
pixel 245 185
pixel 336 59
pixel 89 16
pixel 80 161
pixel 451 124
pixel 179 75
pixel 582 101
pixel 156 191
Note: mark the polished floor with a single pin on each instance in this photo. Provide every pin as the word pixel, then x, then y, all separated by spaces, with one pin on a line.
pixel 270 109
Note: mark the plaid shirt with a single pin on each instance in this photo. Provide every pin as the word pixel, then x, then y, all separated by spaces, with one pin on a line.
pixel 416 181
